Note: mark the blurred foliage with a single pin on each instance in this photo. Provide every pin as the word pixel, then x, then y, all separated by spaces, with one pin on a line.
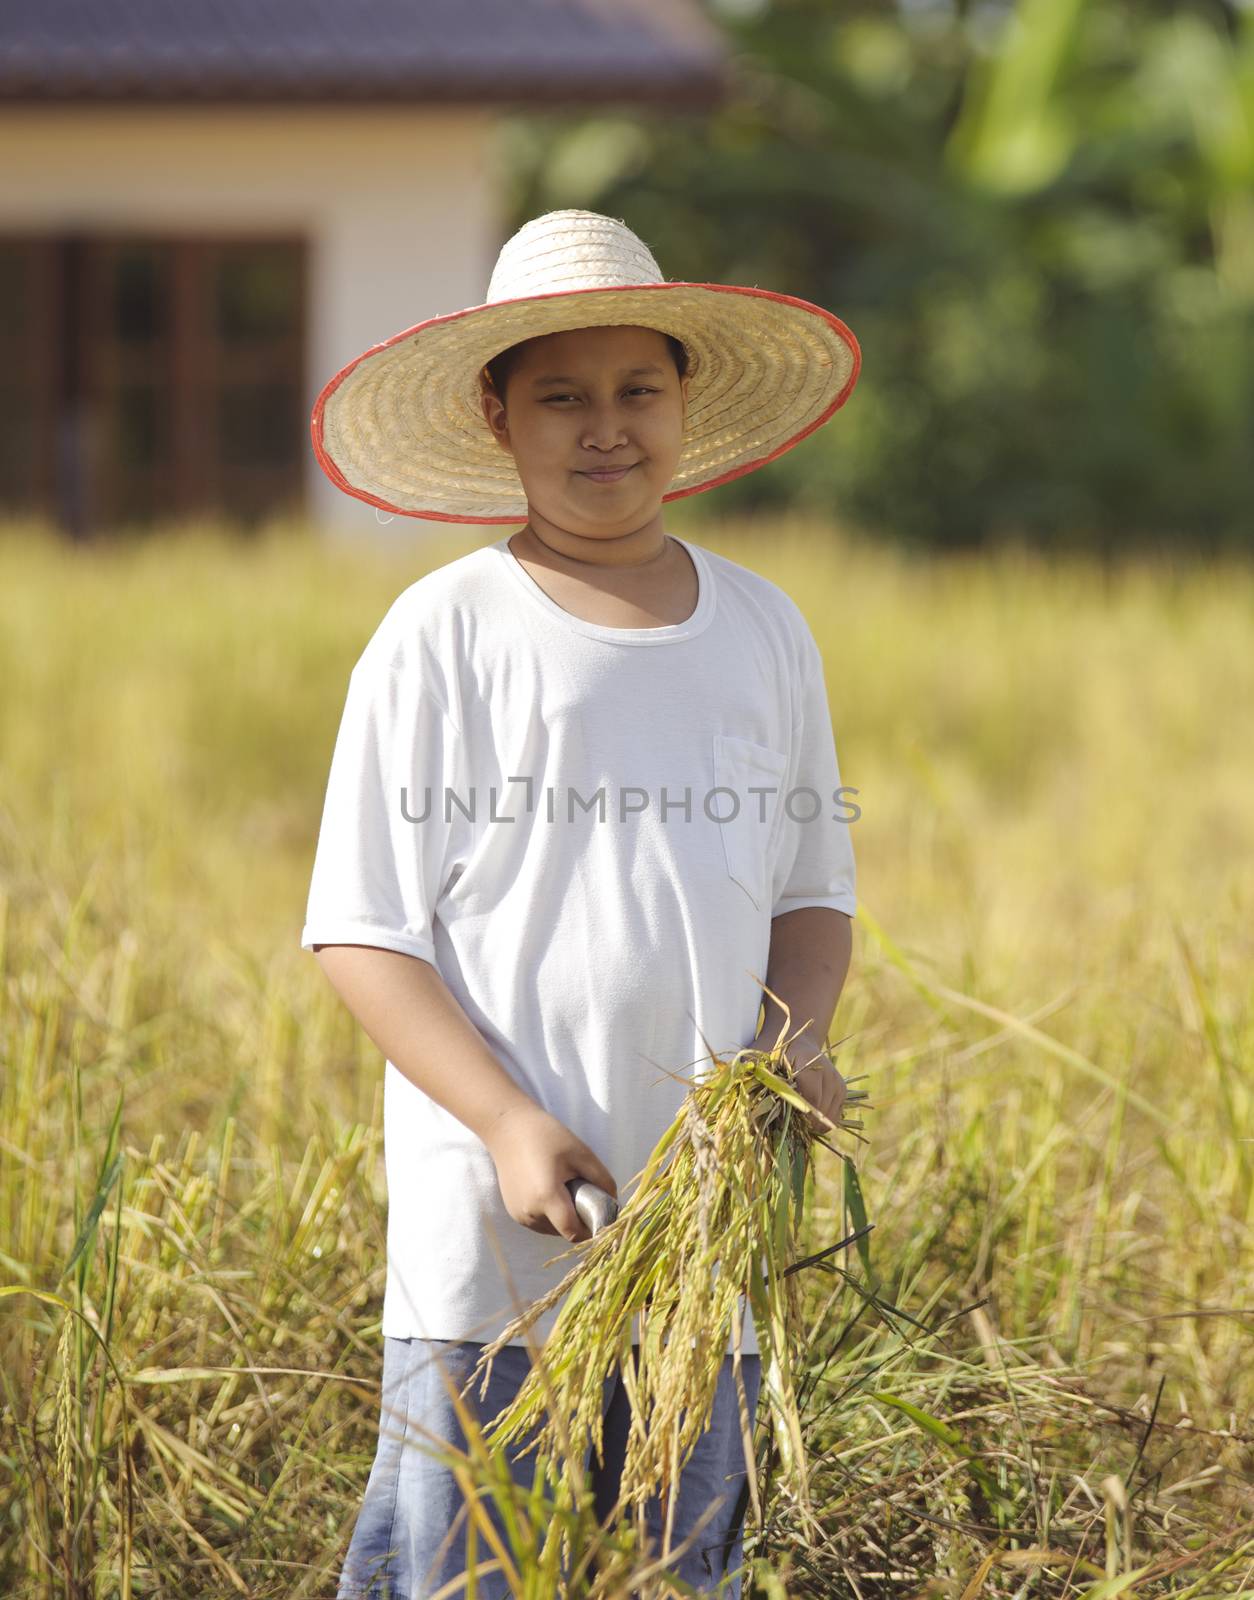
pixel 1038 220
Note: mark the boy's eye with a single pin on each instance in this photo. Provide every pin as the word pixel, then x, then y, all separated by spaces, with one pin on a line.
pixel 639 389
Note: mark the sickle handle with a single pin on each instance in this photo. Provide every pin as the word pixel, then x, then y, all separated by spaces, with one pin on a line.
pixel 596 1208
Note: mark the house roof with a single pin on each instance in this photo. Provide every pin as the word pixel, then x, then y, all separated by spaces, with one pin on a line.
pixel 496 51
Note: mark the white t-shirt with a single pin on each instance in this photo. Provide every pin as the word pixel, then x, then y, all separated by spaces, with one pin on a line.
pixel 598 941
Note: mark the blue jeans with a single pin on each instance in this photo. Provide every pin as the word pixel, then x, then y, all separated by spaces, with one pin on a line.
pixel 412 1500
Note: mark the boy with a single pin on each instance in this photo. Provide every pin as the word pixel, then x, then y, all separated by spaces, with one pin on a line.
pixel 568 828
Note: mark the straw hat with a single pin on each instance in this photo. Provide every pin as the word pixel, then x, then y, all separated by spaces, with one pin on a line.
pixel 402 426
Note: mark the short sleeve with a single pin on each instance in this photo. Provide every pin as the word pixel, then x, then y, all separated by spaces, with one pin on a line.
pixel 388 842
pixel 814 865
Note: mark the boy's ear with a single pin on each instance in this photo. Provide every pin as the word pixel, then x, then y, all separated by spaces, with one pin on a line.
pixel 495 417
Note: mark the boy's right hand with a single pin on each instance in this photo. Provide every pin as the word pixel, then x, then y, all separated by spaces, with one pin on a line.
pixel 535 1153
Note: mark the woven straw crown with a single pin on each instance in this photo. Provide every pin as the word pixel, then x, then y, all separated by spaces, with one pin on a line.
pixel 403 426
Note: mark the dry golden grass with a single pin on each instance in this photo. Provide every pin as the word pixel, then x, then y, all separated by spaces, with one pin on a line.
pixel 1034 1374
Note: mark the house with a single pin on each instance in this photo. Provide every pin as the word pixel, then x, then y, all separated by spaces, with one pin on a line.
pixel 206 210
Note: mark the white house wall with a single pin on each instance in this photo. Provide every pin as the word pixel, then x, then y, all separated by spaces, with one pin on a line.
pixel 397 205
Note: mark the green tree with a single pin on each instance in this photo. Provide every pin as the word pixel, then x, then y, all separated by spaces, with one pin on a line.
pixel 1038 220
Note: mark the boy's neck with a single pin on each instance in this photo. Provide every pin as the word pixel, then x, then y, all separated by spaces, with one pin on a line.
pixel 563 551
pixel 660 590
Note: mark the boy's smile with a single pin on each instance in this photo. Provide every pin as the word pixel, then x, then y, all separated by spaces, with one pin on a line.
pixel 594 418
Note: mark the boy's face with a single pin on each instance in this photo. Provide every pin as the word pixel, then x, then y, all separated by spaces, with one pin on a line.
pixel 575 402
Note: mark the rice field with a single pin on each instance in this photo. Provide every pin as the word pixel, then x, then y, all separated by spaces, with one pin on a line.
pixel 1033 1375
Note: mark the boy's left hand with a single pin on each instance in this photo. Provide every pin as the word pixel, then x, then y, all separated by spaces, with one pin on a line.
pixel 820 1083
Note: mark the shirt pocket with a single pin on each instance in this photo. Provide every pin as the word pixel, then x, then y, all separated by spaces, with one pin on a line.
pixel 751 822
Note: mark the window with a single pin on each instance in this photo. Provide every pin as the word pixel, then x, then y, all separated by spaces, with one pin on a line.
pixel 146 377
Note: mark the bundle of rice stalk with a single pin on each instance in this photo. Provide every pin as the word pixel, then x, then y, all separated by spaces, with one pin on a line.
pixel 714 1217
